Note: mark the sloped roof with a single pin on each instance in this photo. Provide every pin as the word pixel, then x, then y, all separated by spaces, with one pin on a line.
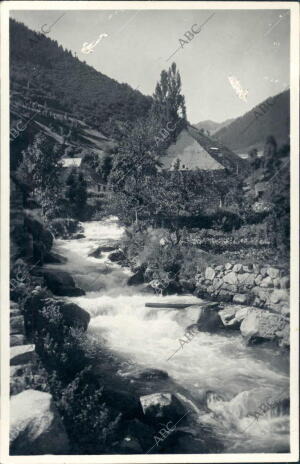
pixel 219 152
pixel 198 151
pixel 190 153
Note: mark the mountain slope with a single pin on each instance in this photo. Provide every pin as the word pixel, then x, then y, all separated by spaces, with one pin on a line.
pixel 45 73
pixel 271 117
pixel 212 126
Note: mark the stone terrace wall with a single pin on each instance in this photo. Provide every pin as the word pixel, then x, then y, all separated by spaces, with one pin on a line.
pixel 252 284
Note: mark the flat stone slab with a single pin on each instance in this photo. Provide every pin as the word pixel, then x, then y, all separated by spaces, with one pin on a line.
pixel 22 354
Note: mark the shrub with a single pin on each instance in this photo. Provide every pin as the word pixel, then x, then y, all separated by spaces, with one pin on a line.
pixel 90 424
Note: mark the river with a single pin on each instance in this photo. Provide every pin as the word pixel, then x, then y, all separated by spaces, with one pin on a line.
pixel 234 378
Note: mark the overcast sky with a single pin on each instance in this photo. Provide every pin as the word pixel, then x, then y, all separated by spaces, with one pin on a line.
pixel 252 46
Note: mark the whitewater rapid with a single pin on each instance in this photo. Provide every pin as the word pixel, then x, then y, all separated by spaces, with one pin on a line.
pixel 239 378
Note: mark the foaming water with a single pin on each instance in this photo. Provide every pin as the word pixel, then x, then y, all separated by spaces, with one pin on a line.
pixel 233 379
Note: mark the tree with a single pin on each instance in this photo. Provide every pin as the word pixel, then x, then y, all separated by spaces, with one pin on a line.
pixel 168 102
pixel 40 170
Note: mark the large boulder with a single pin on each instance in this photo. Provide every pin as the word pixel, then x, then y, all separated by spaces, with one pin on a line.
pixel 61 283
pixel 35 425
pixel 209 319
pixel 162 406
pixel 259 326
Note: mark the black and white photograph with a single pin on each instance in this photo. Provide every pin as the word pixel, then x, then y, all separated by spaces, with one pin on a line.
pixel 149 237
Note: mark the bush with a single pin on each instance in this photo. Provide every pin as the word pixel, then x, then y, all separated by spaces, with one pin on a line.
pixel 90 424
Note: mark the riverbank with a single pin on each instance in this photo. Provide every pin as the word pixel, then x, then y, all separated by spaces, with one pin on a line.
pixel 212 371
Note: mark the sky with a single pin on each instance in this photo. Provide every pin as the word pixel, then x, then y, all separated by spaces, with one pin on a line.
pixel 250 46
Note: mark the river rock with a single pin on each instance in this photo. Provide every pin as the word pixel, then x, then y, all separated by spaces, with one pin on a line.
pixel 35 425
pixel 162 406
pixel 117 256
pixel 209 319
pixel 61 283
pixel 261 326
pixel 228 266
pixel 137 278
pixel 96 253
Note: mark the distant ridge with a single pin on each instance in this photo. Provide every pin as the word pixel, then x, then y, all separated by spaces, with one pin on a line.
pixel 271 117
pixel 212 126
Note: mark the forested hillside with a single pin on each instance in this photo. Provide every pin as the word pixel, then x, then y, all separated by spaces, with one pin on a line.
pixel 251 130
pixel 47 73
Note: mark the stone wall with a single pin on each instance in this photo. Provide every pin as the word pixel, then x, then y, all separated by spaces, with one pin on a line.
pixel 35 424
pixel 252 284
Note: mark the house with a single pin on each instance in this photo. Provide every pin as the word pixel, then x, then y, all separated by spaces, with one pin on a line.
pixel 196 151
